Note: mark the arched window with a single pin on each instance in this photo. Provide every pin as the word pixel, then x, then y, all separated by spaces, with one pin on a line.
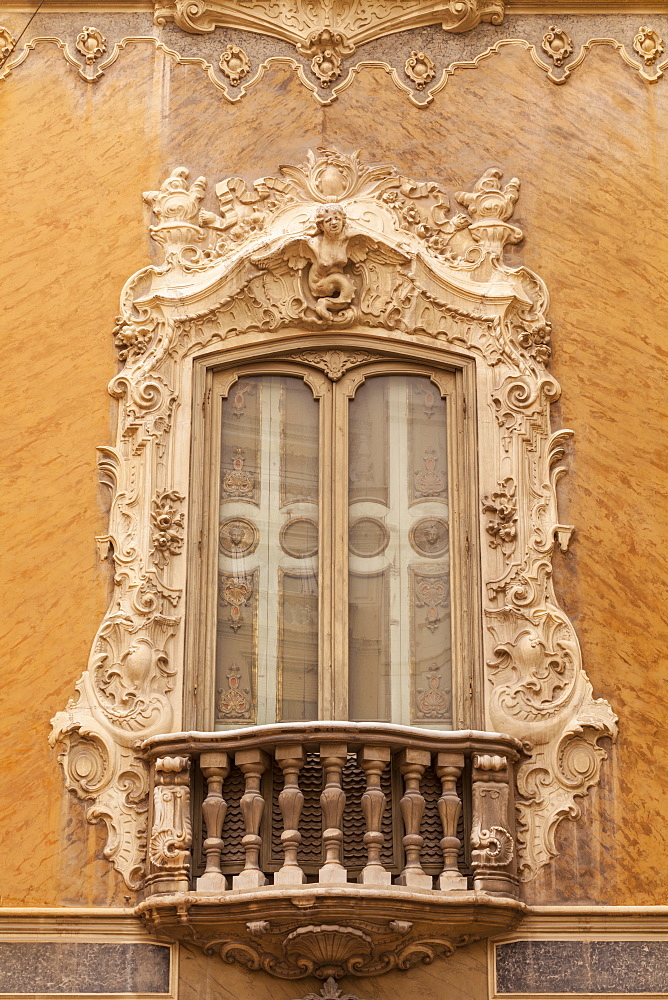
pixel 331 512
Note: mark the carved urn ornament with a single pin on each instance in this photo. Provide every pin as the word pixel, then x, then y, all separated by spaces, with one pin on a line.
pixel 331 265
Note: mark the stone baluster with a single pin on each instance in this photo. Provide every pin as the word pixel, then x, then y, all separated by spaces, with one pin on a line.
pixel 253 764
pixel 373 760
pixel 493 848
pixel 171 832
pixel 215 767
pixel 332 802
pixel 412 764
pixel 449 766
pixel 291 800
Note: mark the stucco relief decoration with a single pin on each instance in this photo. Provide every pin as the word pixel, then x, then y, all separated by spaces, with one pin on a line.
pixel 420 69
pixel 331 44
pixel 92 44
pixel 333 244
pixel 649 45
pixel 7 43
pixel 235 64
pixel 356 21
pixel 557 44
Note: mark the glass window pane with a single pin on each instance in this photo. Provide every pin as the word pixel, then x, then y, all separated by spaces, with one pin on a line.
pixel 399 580
pixel 267 634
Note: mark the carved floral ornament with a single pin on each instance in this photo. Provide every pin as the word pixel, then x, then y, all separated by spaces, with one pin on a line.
pixel 333 45
pixel 267 264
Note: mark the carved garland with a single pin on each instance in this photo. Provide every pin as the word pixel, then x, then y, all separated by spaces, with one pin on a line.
pixel 234 72
pixel 270 261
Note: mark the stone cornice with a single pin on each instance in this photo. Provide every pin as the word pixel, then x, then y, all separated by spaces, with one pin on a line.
pixel 556 7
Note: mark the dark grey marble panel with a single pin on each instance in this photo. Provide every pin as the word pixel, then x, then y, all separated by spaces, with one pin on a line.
pixel 576 967
pixel 82 967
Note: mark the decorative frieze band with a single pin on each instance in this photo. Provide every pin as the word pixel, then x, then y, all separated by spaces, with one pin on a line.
pixel 419 61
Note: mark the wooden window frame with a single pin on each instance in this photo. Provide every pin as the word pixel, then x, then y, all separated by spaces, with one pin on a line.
pixel 209 376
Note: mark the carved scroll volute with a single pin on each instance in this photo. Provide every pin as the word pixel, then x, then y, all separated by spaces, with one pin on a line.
pixel 332 802
pixel 171 833
pixel 449 767
pixel 290 800
pixel 412 764
pixel 373 761
pixel 493 854
pixel 253 764
pixel 215 767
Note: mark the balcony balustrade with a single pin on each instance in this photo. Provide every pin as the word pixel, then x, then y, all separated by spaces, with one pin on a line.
pixel 325 847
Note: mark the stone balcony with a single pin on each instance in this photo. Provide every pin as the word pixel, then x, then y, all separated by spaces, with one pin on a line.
pixel 331 848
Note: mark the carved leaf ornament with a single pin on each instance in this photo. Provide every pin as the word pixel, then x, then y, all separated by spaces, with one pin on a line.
pixel 332 246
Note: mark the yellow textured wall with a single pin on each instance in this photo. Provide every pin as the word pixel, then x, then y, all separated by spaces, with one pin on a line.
pixel 74 161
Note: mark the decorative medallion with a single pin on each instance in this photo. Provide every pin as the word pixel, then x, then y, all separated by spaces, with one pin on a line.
pixel 325 49
pixel 91 43
pixel 648 44
pixel 235 591
pixel 368 536
pixel 234 64
pixel 238 395
pixel 167 525
pixel 429 537
pixel 557 44
pixel 238 483
pixel 299 538
pixel 432 593
pixel 238 537
pixel 419 69
pixel 233 703
pixel 7 43
pixel 431 702
pixel 430 481
pixel 502 505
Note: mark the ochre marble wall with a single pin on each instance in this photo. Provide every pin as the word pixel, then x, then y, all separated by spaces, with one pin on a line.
pixel 74 161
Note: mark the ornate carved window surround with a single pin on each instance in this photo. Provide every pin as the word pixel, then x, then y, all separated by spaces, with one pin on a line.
pixel 414 279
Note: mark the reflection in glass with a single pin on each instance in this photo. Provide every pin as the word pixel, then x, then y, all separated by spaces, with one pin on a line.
pixel 267 631
pixel 399 650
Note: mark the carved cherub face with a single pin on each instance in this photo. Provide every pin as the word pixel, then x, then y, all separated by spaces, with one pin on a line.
pixel 330 220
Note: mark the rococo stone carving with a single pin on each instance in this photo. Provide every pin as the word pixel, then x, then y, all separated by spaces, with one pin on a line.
pixel 335 51
pixel 265 266
pixel 335 25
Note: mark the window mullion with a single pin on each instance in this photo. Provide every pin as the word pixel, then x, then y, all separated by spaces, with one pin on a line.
pixel 335 560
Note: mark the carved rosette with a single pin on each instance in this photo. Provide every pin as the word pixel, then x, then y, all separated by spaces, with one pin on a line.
pixel 258 266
